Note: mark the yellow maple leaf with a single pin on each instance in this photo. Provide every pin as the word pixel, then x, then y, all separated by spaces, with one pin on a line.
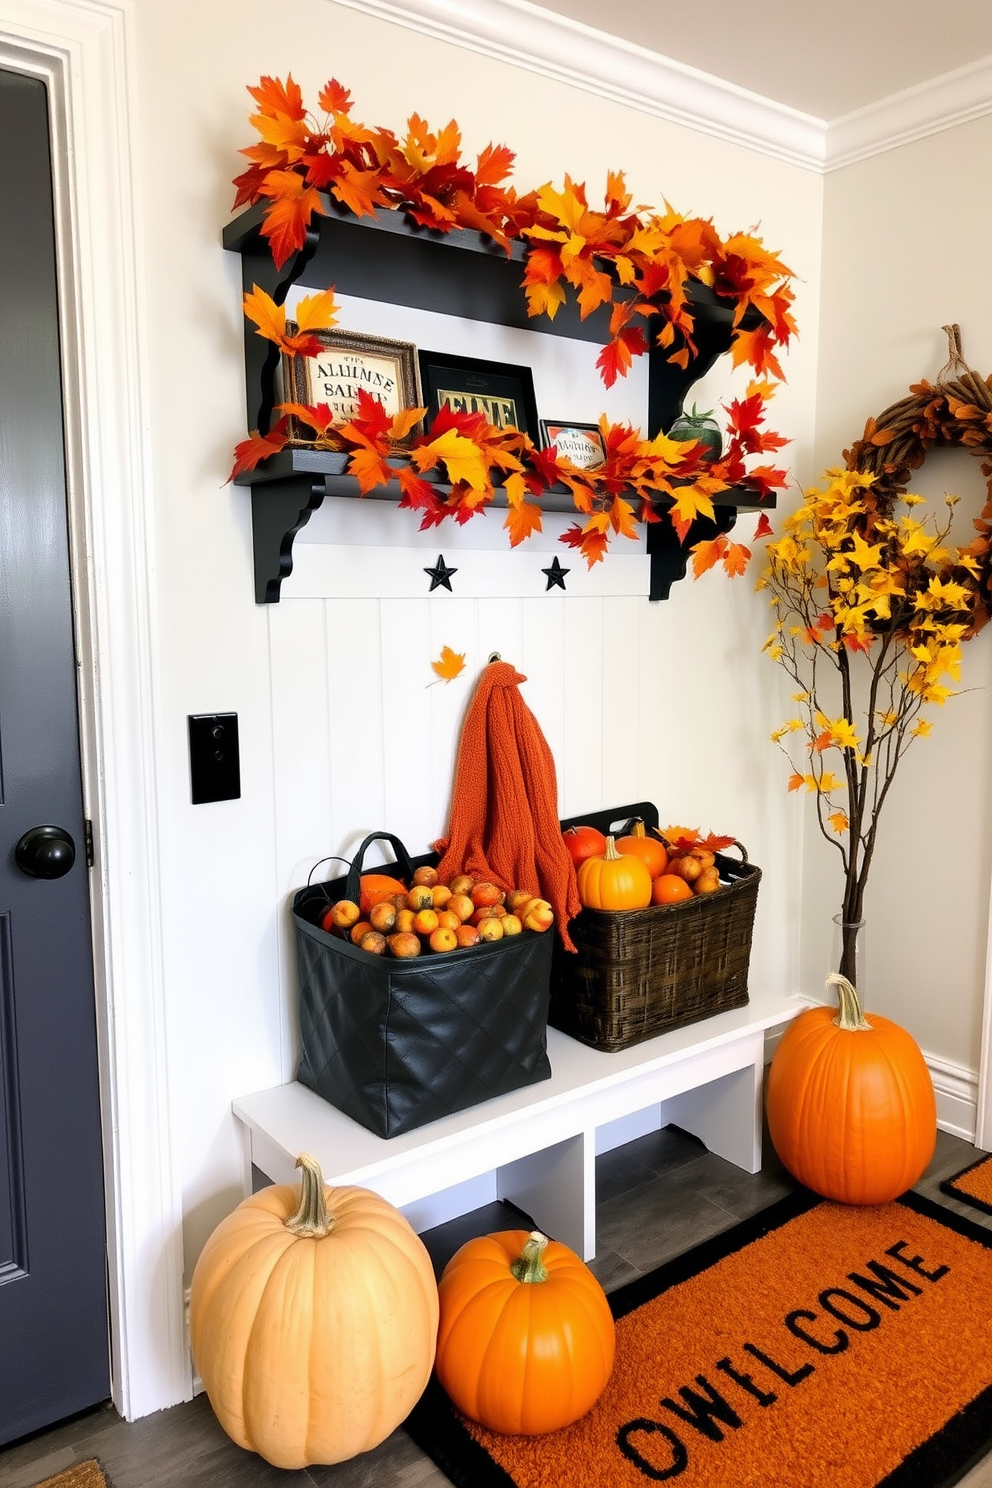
pixel 317 312
pixel 838 820
pixel 459 455
pixel 450 664
pixel 268 317
pixel 690 502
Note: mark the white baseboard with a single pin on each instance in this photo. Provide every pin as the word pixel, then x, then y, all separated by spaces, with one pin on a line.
pixel 956 1089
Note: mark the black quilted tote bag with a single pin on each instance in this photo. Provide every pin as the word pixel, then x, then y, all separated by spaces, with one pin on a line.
pixel 396 1044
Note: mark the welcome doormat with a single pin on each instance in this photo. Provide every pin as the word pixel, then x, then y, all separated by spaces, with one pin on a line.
pixel 973 1184
pixel 813 1344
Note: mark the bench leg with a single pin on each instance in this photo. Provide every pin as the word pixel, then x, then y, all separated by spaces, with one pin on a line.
pixel 557 1186
pixel 725 1114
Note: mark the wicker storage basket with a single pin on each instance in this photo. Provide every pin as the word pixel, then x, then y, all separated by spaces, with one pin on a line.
pixel 637 973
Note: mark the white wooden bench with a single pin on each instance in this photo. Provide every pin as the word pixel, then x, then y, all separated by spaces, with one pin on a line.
pixel 537 1146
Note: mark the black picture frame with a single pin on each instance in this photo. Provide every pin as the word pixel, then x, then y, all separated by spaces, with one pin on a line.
pixel 582 444
pixel 388 370
pixel 469 384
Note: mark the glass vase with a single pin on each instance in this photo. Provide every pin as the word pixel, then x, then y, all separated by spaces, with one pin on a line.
pixel 847 952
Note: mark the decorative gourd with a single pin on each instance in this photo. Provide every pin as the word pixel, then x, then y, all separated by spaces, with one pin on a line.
pixel 851 1108
pixel 526 1339
pixel 699 428
pixel 640 844
pixel 313 1317
pixel 376 886
pixel 614 881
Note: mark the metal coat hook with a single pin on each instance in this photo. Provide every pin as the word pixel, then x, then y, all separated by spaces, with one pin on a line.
pixel 494 656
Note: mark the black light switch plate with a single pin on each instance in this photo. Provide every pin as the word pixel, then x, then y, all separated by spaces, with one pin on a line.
pixel 214 758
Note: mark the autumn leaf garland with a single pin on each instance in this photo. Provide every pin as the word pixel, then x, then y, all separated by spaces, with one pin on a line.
pixel 637 261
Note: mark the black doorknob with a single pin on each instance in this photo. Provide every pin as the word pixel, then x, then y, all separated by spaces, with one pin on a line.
pixel 45 852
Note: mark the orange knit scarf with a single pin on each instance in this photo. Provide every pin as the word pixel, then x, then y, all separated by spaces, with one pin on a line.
pixel 504 822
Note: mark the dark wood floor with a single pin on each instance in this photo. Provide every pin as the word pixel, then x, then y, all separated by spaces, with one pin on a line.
pixel 666 1174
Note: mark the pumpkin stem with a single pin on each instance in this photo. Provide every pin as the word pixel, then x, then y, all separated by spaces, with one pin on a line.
pixel 311 1220
pixel 849 1016
pixel 529 1266
pixel 611 855
pixel 638 828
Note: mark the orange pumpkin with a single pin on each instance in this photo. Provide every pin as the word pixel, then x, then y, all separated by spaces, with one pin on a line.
pixel 650 849
pixel 526 1337
pixel 313 1315
pixel 851 1108
pixel 374 887
pixel 583 842
pixel 614 881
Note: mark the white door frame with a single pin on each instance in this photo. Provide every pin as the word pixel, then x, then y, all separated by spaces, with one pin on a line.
pixel 82 50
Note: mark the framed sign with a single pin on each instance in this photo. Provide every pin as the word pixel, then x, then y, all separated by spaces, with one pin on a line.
pixel 347 362
pixel 581 444
pixel 503 393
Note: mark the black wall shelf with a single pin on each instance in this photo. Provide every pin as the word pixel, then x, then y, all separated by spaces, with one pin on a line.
pixel 390 259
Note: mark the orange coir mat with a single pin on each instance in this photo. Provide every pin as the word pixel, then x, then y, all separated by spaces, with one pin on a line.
pixel 812 1345
pixel 973 1184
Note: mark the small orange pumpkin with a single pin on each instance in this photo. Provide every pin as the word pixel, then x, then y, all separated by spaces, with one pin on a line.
pixel 641 844
pixel 526 1338
pixel 374 887
pixel 614 881
pixel 851 1109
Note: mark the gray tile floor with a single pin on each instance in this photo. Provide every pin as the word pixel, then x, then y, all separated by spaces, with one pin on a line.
pixel 667 1173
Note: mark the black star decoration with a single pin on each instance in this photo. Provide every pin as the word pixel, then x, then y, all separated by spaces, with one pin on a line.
pixel 556 575
pixel 440 574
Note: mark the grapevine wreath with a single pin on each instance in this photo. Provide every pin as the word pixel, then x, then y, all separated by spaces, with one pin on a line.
pixel 956 410
pixel 644 265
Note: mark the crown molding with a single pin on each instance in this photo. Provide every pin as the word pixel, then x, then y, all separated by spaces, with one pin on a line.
pixel 954 98
pixel 566 51
pixel 557 47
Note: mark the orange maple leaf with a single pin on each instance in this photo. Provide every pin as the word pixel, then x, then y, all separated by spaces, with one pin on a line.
pixel 522 521
pixel 369 468
pixel 293 203
pixel 317 312
pixel 706 554
pixel 795 782
pixel 275 97
pixel 359 190
pixel 257 447
pixel 735 559
pixel 334 98
pixel 450 664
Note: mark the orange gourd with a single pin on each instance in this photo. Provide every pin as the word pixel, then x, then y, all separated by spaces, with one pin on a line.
pixel 313 1317
pixel 851 1108
pixel 640 844
pixel 526 1338
pixel 374 887
pixel 614 881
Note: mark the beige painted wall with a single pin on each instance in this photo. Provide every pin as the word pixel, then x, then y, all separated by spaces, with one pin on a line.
pixel 905 252
pixel 338 732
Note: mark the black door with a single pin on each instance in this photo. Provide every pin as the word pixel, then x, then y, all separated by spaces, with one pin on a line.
pixel 54 1356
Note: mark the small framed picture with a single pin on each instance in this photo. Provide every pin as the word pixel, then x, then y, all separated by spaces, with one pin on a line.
pixel 581 444
pixel 348 362
pixel 503 393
